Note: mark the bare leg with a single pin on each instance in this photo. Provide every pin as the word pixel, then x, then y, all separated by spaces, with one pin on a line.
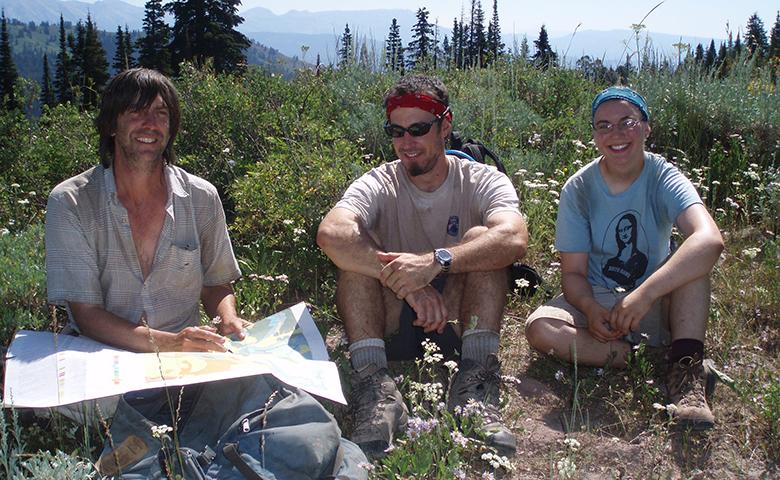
pixel 556 337
pixel 689 308
pixel 360 303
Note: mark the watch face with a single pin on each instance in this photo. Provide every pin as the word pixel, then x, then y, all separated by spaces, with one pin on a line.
pixel 443 256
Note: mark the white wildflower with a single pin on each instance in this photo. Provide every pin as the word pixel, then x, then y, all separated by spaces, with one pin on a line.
pixel 751 252
pixel 572 444
pixel 559 375
pixel 159 430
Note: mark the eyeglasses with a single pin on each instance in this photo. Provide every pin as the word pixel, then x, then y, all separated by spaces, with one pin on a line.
pixel 626 124
pixel 416 129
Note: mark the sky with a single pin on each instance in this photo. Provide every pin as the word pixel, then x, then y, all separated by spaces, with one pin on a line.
pixel 684 17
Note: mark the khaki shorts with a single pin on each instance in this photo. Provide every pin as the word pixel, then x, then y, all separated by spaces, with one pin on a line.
pixel 655 325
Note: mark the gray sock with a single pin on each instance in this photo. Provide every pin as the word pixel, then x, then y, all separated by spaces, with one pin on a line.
pixel 478 343
pixel 366 352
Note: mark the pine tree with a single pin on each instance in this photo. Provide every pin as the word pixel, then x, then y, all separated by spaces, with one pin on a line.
pixel 63 73
pixel 711 56
pixel 206 29
pixel 90 58
pixel 394 50
pixel 153 46
pixel 121 61
pixel 755 37
pixel 8 73
pixel 422 45
pixel 495 46
pixel 346 50
pixel 737 51
pixel 544 57
pixel 47 90
pixel 525 51
pixel 477 45
pixel 774 39
pixel 446 49
pixel 129 48
pixel 698 57
pixel 457 44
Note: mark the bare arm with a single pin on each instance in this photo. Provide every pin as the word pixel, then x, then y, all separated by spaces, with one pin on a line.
pixel 693 260
pixel 503 240
pixel 97 323
pixel 348 244
pixel 579 293
pixel 220 301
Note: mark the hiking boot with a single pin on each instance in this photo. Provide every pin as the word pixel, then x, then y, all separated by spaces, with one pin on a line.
pixel 690 382
pixel 477 384
pixel 378 410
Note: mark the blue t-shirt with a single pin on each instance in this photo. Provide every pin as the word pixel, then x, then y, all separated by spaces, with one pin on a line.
pixel 626 235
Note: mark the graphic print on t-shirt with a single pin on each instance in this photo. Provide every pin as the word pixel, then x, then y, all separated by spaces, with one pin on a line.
pixel 626 238
pixel 453 226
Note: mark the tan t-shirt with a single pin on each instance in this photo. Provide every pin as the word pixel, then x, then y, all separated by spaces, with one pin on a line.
pixel 406 219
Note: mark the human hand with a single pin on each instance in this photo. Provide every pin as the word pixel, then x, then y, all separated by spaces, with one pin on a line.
pixel 428 304
pixel 231 325
pixel 198 339
pixel 629 311
pixel 404 273
pixel 598 324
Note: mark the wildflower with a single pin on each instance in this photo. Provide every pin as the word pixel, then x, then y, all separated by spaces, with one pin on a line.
pixel 572 444
pixel 159 430
pixel 559 375
pixel 497 461
pixel 599 372
pixel 23 201
pixel 751 252
pixel 369 467
pixel 619 289
pixel 226 150
pixel 535 139
pixel 287 221
pixel 418 426
pixel 32 193
pixel 282 278
pixel 487 476
pixel 509 379
pixel 451 365
pixel 231 163
pixel 458 438
pixel 15 185
pixel 566 468
pixel 4 231
pixel 458 474
pixel 658 406
pixel 399 379
pixel 578 144
pixel 522 283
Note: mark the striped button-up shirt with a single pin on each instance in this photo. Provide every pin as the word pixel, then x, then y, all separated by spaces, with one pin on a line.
pixel 91 257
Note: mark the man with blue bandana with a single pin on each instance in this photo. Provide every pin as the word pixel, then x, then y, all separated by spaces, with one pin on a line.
pixel 621 282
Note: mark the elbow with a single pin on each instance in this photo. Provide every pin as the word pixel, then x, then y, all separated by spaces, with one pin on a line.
pixel 326 237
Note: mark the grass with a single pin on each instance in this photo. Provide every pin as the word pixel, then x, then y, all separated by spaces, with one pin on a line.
pixel 282 153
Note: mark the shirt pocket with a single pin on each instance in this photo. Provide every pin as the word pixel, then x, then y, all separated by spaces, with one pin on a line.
pixel 185 272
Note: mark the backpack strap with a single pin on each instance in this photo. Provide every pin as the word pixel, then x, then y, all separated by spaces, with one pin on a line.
pixel 231 453
pixel 338 459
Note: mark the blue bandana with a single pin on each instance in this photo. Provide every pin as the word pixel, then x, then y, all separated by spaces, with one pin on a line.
pixel 620 93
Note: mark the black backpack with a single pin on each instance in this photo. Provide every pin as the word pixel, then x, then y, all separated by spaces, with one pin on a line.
pixel 524 280
pixel 474 150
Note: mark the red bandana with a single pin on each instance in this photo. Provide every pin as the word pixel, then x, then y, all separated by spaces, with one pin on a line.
pixel 418 100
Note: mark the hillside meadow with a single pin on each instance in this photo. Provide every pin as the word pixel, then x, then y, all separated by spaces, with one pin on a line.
pixel 281 152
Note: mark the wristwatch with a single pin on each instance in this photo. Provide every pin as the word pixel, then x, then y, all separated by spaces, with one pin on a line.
pixel 444 258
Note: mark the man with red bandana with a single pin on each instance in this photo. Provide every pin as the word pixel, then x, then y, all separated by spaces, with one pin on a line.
pixel 622 285
pixel 422 245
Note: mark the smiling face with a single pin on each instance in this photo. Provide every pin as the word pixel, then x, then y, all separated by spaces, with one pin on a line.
pixel 623 150
pixel 142 135
pixel 423 155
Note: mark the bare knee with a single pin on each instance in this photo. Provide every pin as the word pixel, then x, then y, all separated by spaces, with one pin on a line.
pixel 541 335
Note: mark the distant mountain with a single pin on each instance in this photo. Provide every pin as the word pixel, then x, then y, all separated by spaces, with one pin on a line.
pixel 610 46
pixel 30 41
pixel 107 14
pixel 319 32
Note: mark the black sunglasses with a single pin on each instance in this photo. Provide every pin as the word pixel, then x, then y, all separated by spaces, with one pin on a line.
pixel 416 129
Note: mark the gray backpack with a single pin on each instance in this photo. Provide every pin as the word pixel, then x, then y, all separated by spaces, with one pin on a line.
pixel 245 428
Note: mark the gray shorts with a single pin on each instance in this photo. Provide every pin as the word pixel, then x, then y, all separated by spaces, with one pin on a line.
pixel 655 325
